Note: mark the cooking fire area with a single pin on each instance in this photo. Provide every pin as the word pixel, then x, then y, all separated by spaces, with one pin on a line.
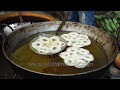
pixel 12 21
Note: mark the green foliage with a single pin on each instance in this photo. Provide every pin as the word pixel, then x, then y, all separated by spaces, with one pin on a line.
pixel 109 22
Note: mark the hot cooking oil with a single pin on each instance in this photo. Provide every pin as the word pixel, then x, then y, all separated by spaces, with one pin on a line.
pixel 53 64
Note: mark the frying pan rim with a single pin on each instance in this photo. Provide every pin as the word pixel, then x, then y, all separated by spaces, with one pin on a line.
pixel 40 73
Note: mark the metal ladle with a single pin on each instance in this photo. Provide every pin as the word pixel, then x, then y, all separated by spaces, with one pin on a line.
pixel 48 35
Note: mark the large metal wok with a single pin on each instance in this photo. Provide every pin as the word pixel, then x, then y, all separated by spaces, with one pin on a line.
pixel 100 36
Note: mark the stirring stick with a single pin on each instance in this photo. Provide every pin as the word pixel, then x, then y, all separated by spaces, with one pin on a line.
pixel 63 22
